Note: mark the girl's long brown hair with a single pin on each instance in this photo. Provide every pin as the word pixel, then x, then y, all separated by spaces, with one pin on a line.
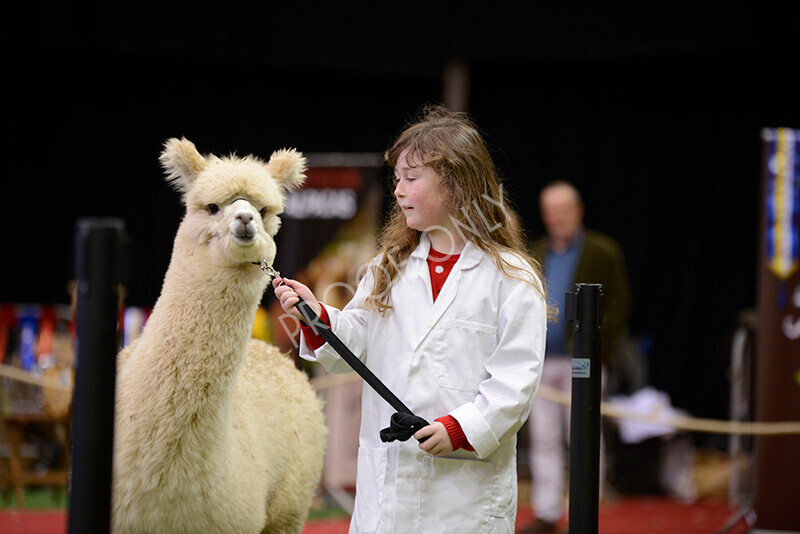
pixel 450 143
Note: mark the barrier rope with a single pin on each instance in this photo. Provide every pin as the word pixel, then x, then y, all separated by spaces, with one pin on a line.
pixel 21 375
pixel 692 424
pixel 607 409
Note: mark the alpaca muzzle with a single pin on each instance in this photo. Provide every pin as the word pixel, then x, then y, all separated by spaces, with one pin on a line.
pixel 243 224
pixel 241 230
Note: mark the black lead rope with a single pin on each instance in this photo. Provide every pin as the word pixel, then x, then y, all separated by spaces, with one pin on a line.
pixel 403 423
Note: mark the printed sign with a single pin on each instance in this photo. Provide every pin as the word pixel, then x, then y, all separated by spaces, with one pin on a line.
pixel 581 368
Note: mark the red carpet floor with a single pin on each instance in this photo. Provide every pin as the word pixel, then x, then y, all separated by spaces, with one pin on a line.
pixel 627 516
pixel 653 515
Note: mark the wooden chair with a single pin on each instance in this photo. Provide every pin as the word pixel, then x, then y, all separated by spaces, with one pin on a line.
pixel 21 475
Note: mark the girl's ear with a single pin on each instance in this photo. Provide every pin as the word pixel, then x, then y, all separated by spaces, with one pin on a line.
pixel 287 166
pixel 182 163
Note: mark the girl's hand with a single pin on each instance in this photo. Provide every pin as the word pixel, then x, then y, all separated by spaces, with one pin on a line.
pixel 438 442
pixel 289 293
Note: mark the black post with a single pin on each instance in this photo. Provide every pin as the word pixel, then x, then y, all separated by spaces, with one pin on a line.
pixel 584 307
pixel 99 268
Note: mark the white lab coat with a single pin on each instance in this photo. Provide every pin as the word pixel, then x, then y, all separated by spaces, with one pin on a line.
pixel 476 354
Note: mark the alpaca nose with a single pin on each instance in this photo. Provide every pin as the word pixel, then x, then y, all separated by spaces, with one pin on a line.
pixel 245 217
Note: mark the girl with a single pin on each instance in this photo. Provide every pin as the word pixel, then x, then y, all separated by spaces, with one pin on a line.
pixel 451 316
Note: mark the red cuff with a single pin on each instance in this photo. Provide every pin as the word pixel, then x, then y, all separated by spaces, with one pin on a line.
pixel 313 339
pixel 457 438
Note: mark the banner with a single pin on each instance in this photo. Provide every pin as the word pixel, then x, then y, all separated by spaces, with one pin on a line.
pixel 782 199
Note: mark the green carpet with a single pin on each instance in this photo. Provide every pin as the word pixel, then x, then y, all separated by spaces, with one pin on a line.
pixel 36 499
pixel 50 499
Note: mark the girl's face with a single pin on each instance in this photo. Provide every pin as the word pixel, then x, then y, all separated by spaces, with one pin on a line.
pixel 418 191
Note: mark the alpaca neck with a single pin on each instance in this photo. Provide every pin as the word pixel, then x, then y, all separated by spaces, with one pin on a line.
pixel 201 325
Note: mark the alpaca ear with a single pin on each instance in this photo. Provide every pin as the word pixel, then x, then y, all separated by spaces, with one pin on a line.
pixel 182 163
pixel 287 166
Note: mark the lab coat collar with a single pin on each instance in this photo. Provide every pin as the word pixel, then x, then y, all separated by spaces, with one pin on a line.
pixel 470 257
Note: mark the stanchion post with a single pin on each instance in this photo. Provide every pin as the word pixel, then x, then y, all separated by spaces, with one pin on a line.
pixel 584 307
pixel 99 268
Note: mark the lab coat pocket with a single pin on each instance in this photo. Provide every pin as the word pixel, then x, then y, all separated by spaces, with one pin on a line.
pixel 369 489
pixel 460 353
pixel 459 495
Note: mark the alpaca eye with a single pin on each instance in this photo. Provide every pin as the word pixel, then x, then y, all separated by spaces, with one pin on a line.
pixel 213 209
pixel 263 212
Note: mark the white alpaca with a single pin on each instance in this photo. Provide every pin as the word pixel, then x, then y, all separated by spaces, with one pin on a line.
pixel 216 432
